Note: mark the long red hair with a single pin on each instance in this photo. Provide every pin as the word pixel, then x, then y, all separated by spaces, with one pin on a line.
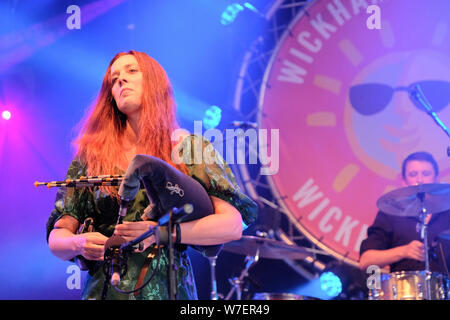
pixel 101 141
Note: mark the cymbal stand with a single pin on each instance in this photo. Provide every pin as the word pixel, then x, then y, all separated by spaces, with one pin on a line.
pixel 238 282
pixel 212 264
pixel 424 237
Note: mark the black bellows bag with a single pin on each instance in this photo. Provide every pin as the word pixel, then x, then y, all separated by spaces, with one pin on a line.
pixel 167 188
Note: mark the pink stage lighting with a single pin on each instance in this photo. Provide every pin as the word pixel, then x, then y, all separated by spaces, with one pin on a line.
pixel 6 115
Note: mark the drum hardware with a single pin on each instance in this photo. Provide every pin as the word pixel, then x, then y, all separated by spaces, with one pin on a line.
pixel 394 292
pixel 212 265
pixel 423 231
pixel 411 285
pixel 411 201
pixel 254 248
pixel 266 248
pixel 311 258
pixel 237 283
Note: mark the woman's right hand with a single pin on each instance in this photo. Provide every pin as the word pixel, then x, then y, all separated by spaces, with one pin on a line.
pixel 91 245
pixel 414 250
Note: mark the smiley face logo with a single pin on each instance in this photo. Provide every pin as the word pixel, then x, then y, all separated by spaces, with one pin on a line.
pixel 386 121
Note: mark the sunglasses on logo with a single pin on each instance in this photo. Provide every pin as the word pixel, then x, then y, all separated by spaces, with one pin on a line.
pixel 371 98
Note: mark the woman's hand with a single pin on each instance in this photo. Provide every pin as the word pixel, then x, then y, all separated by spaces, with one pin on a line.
pixel 91 245
pixel 131 230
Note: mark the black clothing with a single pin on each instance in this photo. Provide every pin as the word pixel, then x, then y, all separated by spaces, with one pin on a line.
pixel 389 231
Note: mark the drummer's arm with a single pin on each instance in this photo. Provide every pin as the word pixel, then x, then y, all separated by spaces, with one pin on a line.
pixel 381 258
pixel 223 226
pixel 413 250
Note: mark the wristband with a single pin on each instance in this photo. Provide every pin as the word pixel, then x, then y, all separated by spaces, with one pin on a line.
pixel 177 233
pixel 164 234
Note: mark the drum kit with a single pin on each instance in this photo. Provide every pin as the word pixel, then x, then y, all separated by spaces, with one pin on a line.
pixel 414 201
pixel 254 248
pixel 418 201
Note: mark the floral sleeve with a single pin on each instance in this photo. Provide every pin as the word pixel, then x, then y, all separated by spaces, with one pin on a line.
pixel 70 201
pixel 208 167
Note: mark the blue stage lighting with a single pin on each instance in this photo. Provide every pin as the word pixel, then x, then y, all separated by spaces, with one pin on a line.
pixel 330 283
pixel 233 10
pixel 230 13
pixel 250 7
pixel 212 117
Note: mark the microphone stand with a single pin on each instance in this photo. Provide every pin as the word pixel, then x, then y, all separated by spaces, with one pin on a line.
pixel 114 256
pixel 420 97
pixel 105 287
pixel 121 253
pixel 168 218
pixel 172 274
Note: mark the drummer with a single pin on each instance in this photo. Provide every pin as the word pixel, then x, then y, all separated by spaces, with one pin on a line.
pixel 394 241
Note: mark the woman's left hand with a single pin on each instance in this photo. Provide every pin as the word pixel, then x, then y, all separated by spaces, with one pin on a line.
pixel 131 230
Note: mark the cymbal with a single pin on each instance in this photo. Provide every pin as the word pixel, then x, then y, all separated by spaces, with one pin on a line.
pixel 268 248
pixel 445 235
pixel 409 201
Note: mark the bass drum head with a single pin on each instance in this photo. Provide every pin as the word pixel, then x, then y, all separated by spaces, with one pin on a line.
pixel 334 156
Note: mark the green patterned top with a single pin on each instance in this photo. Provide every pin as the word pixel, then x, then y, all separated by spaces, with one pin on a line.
pixel 207 167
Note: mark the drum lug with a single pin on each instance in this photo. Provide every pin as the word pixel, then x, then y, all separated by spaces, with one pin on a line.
pixel 394 292
pixel 420 289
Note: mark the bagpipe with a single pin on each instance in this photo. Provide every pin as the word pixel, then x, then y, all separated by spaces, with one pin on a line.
pixel 85 182
pixel 167 188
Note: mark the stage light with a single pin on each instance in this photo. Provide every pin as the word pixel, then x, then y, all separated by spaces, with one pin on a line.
pixel 6 115
pixel 250 7
pixel 230 13
pixel 342 281
pixel 331 284
pixel 212 117
pixel 233 10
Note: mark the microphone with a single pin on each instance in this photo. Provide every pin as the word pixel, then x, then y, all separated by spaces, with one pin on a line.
pixel 114 262
pixel 115 278
pixel 417 94
pixel 122 210
pixel 244 124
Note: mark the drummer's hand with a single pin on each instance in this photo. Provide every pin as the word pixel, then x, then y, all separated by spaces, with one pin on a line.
pixel 131 230
pixel 414 250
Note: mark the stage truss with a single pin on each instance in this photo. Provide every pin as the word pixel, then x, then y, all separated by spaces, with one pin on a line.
pixel 246 103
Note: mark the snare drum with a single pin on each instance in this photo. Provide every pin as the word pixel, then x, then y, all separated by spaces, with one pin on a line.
pixel 411 285
pixel 280 296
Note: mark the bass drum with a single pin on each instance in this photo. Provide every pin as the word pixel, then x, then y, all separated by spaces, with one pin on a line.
pixel 327 158
pixel 411 285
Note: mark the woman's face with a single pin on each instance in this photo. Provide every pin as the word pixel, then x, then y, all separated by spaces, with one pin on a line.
pixel 126 77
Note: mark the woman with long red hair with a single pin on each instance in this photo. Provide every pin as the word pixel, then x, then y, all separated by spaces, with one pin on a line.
pixel 135 114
